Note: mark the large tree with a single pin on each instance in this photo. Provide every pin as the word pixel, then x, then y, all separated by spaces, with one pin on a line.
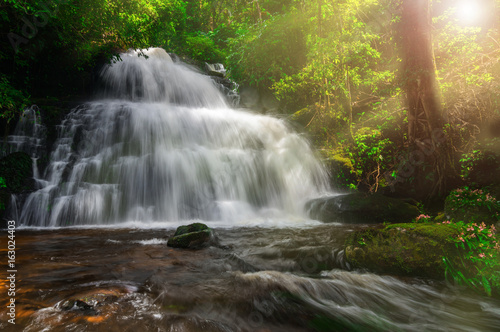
pixel 427 140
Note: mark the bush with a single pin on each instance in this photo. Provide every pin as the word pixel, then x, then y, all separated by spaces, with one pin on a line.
pixel 480 265
pixel 469 205
pixel 12 101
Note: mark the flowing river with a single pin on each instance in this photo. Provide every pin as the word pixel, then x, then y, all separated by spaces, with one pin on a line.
pixel 161 148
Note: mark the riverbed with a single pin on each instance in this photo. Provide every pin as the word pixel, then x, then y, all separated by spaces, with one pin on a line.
pixel 256 279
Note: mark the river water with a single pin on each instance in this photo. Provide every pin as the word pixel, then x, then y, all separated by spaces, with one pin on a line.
pixel 159 148
pixel 257 279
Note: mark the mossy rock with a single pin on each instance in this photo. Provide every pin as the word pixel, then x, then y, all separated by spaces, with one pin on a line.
pixel 192 236
pixel 409 249
pixel 16 170
pixel 342 171
pixel 362 208
pixel 303 116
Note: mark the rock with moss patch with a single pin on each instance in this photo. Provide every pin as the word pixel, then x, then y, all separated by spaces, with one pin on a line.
pixel 192 236
pixel 342 170
pixel 410 249
pixel 362 208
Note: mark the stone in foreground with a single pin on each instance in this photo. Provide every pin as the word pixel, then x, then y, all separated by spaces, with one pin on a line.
pixel 191 236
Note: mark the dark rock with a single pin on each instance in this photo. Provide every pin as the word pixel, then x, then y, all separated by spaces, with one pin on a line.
pixel 362 208
pixel 79 306
pixel 192 236
pixel 88 303
pixel 485 170
pixel 415 250
pixel 215 69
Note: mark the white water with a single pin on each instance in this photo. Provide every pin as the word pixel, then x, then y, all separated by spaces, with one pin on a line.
pixel 29 136
pixel 163 146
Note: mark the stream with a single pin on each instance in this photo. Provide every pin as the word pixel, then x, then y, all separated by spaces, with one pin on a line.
pixel 257 279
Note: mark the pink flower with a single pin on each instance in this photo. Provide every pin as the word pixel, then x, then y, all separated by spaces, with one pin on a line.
pixel 481 255
pixel 490 235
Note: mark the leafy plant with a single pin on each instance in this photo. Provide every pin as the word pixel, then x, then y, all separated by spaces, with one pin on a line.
pixel 480 262
pixel 467 204
pixel 12 101
pixel 422 218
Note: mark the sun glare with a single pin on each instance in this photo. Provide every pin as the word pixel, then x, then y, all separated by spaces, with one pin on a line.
pixel 469 12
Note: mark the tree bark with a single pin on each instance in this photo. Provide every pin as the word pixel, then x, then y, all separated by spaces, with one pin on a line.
pixel 426 137
pixel 424 106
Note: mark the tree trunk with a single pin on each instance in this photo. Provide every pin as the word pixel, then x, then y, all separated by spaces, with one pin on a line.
pixel 424 107
pixel 427 142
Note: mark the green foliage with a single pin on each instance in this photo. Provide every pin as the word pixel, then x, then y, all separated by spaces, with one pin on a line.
pixel 262 54
pixel 468 71
pixel 371 156
pixel 12 101
pixel 472 205
pixel 202 48
pixel 480 264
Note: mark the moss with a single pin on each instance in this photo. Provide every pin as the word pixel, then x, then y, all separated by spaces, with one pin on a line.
pixel 191 236
pixel 195 227
pixel 404 249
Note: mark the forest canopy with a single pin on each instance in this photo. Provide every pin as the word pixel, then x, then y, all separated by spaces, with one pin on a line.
pixel 335 67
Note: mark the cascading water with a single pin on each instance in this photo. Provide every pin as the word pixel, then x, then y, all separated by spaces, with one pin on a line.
pixel 162 145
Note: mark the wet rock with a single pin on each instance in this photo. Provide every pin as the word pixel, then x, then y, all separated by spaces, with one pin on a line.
pixel 215 69
pixel 79 306
pixel 362 208
pixel 415 250
pixel 192 236
pixel 87 304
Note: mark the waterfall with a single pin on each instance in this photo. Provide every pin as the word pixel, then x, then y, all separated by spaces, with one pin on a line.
pixel 161 144
pixel 29 135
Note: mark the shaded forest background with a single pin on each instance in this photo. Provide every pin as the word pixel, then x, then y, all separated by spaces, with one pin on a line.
pixel 332 67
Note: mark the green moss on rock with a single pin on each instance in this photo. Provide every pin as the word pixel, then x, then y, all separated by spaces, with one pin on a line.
pixel 195 235
pixel 404 249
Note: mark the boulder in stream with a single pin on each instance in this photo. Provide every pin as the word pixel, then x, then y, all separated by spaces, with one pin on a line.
pixel 361 208
pixel 192 236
